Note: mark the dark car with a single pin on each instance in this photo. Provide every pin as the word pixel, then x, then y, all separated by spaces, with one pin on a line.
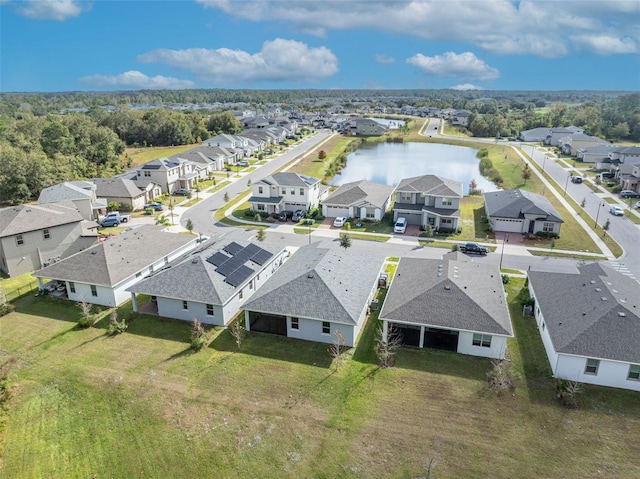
pixel 629 194
pixel 474 248
pixel 283 143
pixel 182 192
pixel 285 215
pixel 298 215
pixel 155 206
pixel 576 179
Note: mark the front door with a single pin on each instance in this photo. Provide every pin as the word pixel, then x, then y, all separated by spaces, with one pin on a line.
pixel 532 224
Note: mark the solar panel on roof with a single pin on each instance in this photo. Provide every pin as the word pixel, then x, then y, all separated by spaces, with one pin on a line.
pixel 261 257
pixel 236 278
pixel 232 248
pixel 217 259
pixel 243 255
pixel 252 248
pixel 229 266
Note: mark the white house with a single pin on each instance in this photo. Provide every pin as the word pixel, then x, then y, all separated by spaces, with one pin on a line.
pixel 452 304
pixel 359 199
pixel 519 211
pixel 286 192
pixel 168 174
pixel 589 325
pixel 101 274
pixel 82 194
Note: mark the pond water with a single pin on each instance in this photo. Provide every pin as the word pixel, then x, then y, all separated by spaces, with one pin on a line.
pixel 392 124
pixel 388 163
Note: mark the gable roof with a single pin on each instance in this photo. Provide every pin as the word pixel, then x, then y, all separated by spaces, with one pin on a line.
pixel 289 179
pixel 163 164
pixel 431 185
pixel 358 193
pixel 24 218
pixel 580 322
pixel 449 294
pixel 196 279
pixel 66 191
pixel 320 283
pixel 517 203
pixel 117 187
pixel 110 262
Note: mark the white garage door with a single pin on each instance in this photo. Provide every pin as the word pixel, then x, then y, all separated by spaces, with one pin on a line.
pixel 508 226
pixel 335 211
pixel 412 218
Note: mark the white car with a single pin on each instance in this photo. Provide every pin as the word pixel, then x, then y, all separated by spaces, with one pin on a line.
pixel 339 221
pixel 400 226
pixel 638 204
pixel 616 211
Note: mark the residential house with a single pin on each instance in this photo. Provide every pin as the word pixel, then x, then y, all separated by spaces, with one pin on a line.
pixel 630 181
pixel 535 134
pixel 101 274
pixel 35 235
pixel 121 190
pixel 286 192
pixel 589 325
pixel 317 293
pixel 452 304
pixel 359 199
pixel 461 118
pixel 212 284
pixel 81 193
pixel 595 154
pixel 555 134
pixel 429 200
pixel 519 211
pixel 207 159
pixel 573 143
pixel 370 127
pixel 167 174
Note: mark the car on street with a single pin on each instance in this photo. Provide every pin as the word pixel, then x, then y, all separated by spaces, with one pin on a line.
pixel 616 211
pixel 474 248
pixel 121 217
pixel 576 179
pixel 629 194
pixel 154 206
pixel 182 191
pixel 110 221
pixel 638 204
pixel 400 226
pixel 339 221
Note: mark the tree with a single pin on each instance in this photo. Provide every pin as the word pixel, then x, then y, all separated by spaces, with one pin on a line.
pixel 526 173
pixel 162 220
pixel 337 348
pixel 345 240
pixel 473 186
pixel 261 235
pixel 322 155
pixel 583 203
pixel 605 227
pixel 386 348
pixel 189 225
pixel 113 206
pixel 236 328
pixel 198 338
pixel 428 231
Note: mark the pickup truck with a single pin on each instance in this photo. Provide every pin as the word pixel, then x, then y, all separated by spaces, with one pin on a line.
pixel 121 217
pixel 474 248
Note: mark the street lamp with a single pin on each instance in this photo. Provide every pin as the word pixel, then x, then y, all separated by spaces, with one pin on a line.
pixel 309 221
pixel 598 213
pixel 544 162
pixel 505 240
pixel 566 183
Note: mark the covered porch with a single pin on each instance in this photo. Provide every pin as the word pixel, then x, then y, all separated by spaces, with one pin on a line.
pixel 421 336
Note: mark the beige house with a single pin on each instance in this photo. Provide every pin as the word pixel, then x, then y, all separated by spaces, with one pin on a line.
pixel 121 190
pixel 81 193
pixel 33 236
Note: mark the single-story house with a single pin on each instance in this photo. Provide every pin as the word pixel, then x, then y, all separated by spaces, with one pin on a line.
pixel 317 293
pixel 359 199
pixel 101 274
pixel 121 190
pixel 589 324
pixel 451 304
pixel 212 284
pixel 519 211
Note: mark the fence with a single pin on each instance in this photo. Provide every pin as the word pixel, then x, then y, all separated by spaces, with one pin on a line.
pixel 18 291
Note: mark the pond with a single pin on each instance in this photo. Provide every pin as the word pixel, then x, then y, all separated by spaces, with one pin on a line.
pixel 388 163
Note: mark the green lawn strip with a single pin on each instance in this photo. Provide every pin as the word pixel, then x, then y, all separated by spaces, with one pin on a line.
pixel 510 271
pixel 556 254
pixel 435 243
pixel 17 286
pixel 633 217
pixel 139 156
pixel 610 200
pixel 191 202
pixel 368 237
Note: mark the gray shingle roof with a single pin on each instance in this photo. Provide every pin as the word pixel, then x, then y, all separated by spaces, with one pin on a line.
pixel 24 218
pixel 580 322
pixel 450 294
pixel 358 193
pixel 117 187
pixel 195 279
pixel 108 263
pixel 431 185
pixel 517 203
pixel 320 283
pixel 64 192
pixel 289 179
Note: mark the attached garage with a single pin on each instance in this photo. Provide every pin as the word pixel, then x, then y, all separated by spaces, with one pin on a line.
pixel 335 211
pixel 413 218
pixel 507 225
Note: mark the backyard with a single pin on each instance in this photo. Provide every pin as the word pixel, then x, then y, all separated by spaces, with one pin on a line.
pixel 142 404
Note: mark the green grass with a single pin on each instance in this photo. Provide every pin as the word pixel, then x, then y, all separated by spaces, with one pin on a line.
pixel 143 405
pixel 555 254
pixel 632 217
pixel 610 200
pixel 17 286
pixel 139 156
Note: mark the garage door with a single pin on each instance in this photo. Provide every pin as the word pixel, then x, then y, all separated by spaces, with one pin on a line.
pixel 412 218
pixel 335 211
pixel 509 226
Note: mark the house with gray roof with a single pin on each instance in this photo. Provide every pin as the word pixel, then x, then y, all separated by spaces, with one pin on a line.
pixel 535 134
pixel 286 192
pixel 556 134
pixel 589 324
pixel 82 194
pixel 211 284
pixel 316 293
pixel 595 154
pixel 461 118
pixel 168 174
pixel 519 211
pixel 121 190
pixel 451 304
pixel 359 199
pixel 428 200
pixel 207 158
pixel 573 143
pixel 370 127
pixel 101 274
pixel 32 236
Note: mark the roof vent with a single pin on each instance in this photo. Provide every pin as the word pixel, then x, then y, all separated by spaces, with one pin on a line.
pixel 592 281
pixel 622 314
pixel 604 298
pixel 310 276
pixel 194 261
pixel 584 313
pixel 598 289
pixel 447 287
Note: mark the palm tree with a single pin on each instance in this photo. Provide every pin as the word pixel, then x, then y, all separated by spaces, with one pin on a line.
pixel 162 220
pixel 345 240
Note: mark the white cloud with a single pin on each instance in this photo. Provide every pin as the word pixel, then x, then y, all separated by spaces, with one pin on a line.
pixel 385 60
pixel 136 80
pixel 605 45
pixel 59 10
pixel 464 65
pixel 465 87
pixel 279 61
pixel 525 27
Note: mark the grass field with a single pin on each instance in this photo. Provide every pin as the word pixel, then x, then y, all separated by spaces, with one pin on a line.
pixel 143 405
pixel 139 156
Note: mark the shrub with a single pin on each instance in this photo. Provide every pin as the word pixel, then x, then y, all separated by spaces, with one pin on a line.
pixel 505 279
pixel 6 309
pixel 566 392
pixel 249 213
pixel 446 231
pixel 198 337
pixel 499 377
pixel 320 218
pixel 115 326
pixel 547 234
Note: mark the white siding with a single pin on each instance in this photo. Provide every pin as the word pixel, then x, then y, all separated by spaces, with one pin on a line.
pixel 610 373
pixel 496 350
pixel 105 295
pixel 173 308
pixel 311 330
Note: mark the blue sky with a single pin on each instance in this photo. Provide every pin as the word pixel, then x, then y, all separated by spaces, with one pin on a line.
pixel 62 45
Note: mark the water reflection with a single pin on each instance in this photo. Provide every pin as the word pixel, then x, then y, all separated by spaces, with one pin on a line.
pixel 388 163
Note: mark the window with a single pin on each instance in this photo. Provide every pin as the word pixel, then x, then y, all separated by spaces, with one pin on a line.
pixel 293 191
pixel 634 372
pixel 166 260
pixel 483 340
pixel 250 285
pixel 260 189
pixel 370 213
pixel 446 221
pixel 46 234
pixel 592 366
pixel 405 197
pixel 19 240
pixel 301 191
pixel 185 305
pixel 94 290
pixel 284 191
pixel 548 227
pixel 295 324
pixel 447 202
pixel 240 294
pixel 326 327
pixel 147 173
pixel 209 309
pixel 138 274
pixel 72 287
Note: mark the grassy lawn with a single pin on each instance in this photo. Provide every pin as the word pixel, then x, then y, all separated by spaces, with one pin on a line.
pixel 17 286
pixel 555 254
pixel 143 405
pixel 311 165
pixel 632 217
pixel 610 200
pixel 139 156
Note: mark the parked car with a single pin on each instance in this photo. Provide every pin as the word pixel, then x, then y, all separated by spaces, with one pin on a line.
pixel 606 174
pixel 576 179
pixel 154 206
pixel 182 192
pixel 109 221
pixel 400 226
pixel 242 163
pixel 638 204
pixel 298 215
pixel 283 143
pixel 339 221
pixel 121 217
pixel 474 248
pixel 285 215
pixel 616 211
pixel 629 194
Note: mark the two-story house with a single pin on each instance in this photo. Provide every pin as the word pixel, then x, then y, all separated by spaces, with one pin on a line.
pixel 555 134
pixel 429 200
pixel 83 195
pixel 631 181
pixel 32 236
pixel 370 127
pixel 573 143
pixel 168 173
pixel 286 192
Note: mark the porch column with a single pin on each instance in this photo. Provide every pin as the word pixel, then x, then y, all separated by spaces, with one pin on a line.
pixel 134 302
pixel 40 284
pixel 385 330
pixel 247 323
pixel 422 336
